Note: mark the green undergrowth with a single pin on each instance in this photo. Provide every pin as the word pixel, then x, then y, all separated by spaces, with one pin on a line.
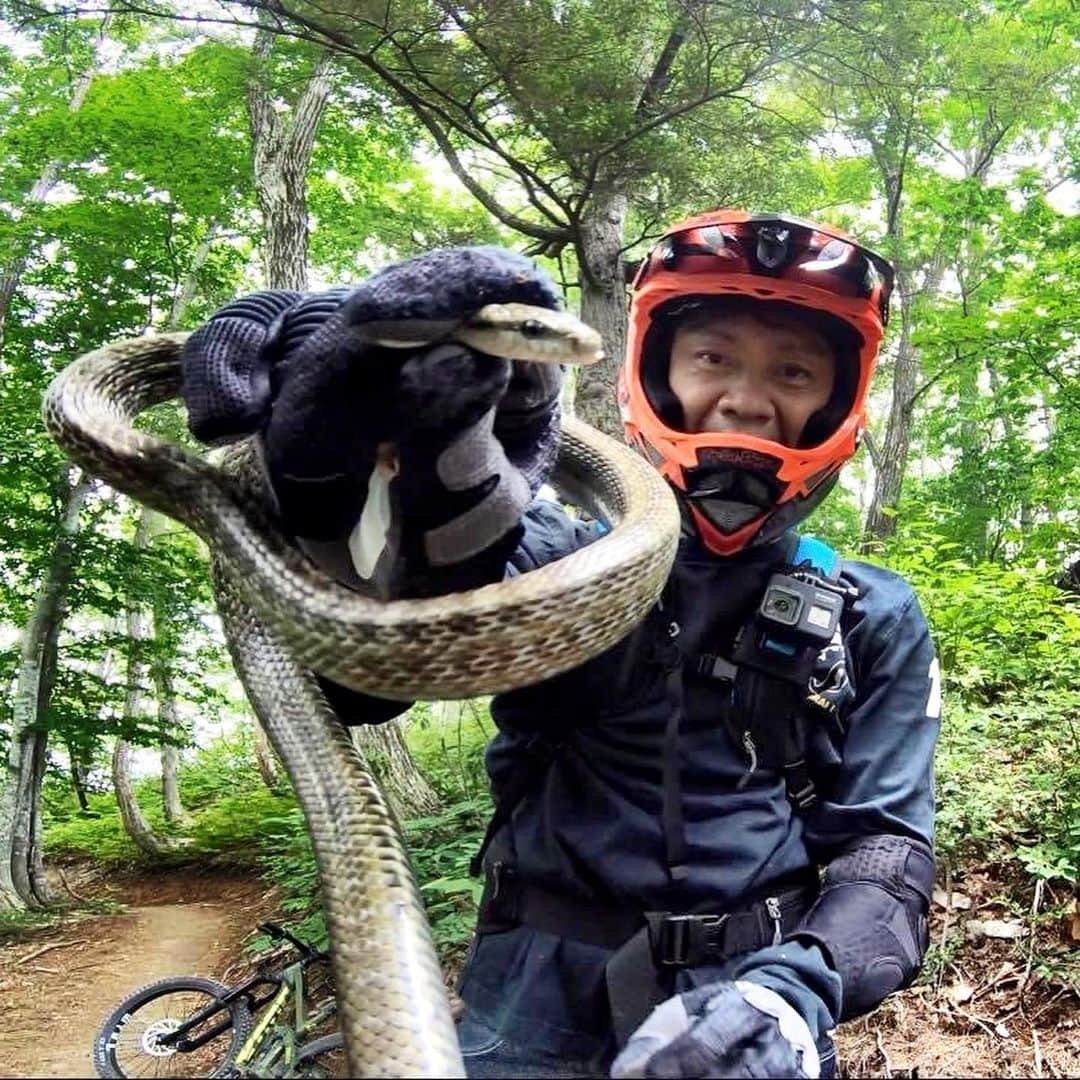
pixel 233 816
pixel 231 813
pixel 16 924
pixel 447 744
pixel 447 741
pixel 1008 762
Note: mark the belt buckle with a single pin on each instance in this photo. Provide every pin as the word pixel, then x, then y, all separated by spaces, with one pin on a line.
pixel 677 938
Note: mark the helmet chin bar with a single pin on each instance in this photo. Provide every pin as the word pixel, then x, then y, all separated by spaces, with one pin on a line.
pixel 728 516
pixel 717 540
pixel 725 526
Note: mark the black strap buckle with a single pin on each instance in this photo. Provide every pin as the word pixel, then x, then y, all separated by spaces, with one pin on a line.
pixel 800 787
pixel 498 904
pixel 680 941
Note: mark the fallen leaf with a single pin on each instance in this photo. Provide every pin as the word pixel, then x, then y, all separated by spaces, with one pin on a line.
pixel 960 992
pixel 995 928
pixel 960 902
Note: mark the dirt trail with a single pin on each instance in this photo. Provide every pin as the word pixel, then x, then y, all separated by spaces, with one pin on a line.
pixel 58 985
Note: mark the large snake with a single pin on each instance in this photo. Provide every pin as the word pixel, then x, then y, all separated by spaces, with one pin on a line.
pixel 284 619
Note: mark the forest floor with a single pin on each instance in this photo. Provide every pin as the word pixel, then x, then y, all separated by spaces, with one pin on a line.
pixel 59 983
pixel 985 1012
pixel 984 1016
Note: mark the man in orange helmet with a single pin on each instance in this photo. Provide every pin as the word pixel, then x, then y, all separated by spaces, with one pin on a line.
pixel 755 278
pixel 713 842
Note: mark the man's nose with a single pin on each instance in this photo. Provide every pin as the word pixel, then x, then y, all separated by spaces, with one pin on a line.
pixel 744 398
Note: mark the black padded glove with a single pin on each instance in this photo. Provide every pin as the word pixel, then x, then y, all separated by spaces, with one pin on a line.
pixel 470 437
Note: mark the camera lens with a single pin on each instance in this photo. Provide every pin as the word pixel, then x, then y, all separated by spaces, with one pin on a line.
pixel 782 606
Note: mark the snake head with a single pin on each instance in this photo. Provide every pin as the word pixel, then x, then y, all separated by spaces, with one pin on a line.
pixel 527 332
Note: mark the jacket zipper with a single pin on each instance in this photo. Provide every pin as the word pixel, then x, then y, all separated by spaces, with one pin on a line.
pixel 751 751
pixel 772 906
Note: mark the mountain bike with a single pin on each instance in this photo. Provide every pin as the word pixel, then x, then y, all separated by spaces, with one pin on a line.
pixel 198 1027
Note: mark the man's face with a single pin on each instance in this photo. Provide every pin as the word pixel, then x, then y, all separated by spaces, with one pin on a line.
pixel 748 375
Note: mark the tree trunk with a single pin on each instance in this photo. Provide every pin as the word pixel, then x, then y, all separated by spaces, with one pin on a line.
pixel 170 785
pixel 11 275
pixel 281 156
pixel 384 749
pixel 889 477
pixel 265 758
pixel 182 300
pixel 78 781
pixel 138 628
pixel 135 822
pixel 21 875
pixel 603 307
pixel 164 691
pixel 892 459
pixel 168 721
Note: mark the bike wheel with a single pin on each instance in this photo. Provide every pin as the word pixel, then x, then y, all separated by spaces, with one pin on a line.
pixel 322 1058
pixel 129 1042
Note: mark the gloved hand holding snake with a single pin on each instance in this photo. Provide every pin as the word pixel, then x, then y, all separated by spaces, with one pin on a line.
pixel 401 441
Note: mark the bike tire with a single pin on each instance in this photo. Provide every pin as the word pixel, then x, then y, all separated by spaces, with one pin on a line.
pixel 322 1058
pixel 126 1039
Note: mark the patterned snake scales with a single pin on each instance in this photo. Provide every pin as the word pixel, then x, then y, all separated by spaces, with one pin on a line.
pixel 284 618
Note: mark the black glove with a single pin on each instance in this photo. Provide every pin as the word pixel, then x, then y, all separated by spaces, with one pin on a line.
pixel 723 1029
pixel 330 404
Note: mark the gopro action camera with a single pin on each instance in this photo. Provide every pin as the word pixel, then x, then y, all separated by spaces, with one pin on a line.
pixel 801 610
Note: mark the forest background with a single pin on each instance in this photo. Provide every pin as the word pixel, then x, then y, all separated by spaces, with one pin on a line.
pixel 155 163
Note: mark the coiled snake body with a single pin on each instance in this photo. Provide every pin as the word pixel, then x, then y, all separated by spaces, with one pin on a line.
pixel 284 618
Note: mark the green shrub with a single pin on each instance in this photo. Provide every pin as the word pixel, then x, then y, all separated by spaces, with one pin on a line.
pixel 998 629
pixel 447 743
pixel 242 822
pixel 223 767
pixel 1008 775
pixel 103 838
pixel 448 750
pixel 288 860
pixel 440 847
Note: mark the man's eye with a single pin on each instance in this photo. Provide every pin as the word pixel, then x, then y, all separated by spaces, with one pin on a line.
pixel 712 359
pixel 797 373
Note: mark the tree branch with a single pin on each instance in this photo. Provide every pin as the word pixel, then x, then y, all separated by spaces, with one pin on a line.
pixel 918 393
pixel 308 111
pixel 477 190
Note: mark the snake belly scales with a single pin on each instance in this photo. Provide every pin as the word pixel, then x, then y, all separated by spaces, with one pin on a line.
pixel 284 618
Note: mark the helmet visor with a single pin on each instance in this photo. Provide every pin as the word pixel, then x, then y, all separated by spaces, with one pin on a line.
pixel 785 248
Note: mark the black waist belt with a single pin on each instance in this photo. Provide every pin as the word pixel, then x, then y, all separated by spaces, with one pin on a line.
pixel 650 946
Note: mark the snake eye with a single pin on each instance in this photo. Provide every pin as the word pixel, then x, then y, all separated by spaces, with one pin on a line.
pixel 533 328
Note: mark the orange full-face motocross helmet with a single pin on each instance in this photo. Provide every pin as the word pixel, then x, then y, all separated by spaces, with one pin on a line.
pixel 736 489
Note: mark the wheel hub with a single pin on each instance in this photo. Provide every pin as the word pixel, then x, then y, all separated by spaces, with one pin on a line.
pixel 152 1035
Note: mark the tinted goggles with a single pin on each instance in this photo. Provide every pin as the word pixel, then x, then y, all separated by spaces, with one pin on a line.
pixel 777 247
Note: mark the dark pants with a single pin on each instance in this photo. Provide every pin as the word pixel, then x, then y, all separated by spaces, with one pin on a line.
pixel 487 1054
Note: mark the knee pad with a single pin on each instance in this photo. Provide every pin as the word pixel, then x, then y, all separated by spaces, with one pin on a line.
pixel 871 917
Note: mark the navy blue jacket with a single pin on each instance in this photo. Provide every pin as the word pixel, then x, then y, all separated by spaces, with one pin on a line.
pixel 592 825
